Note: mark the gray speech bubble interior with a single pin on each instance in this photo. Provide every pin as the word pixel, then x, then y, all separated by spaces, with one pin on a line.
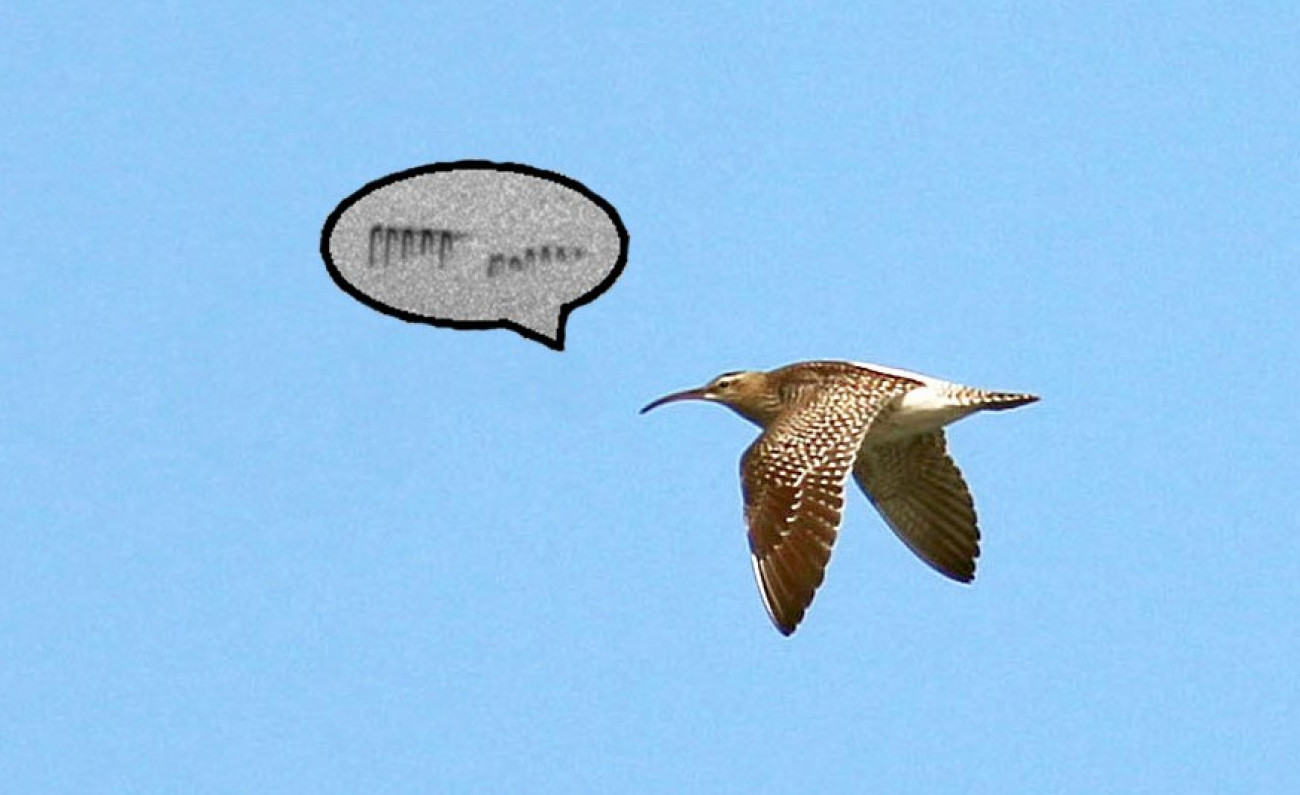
pixel 476 245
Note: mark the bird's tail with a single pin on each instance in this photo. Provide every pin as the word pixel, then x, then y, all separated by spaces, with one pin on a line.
pixel 999 401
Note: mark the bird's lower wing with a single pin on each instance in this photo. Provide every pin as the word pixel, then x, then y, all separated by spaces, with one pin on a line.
pixel 921 494
pixel 793 479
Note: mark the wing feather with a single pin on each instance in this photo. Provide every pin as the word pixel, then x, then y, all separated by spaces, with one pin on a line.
pixel 924 499
pixel 793 478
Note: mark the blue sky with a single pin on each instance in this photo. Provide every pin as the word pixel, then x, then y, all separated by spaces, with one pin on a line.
pixel 260 538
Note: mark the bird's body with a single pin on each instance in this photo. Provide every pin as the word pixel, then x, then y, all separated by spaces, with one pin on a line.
pixel 824 420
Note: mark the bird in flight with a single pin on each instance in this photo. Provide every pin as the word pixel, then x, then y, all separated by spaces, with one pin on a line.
pixel 823 420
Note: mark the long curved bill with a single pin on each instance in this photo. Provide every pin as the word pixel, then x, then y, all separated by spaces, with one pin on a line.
pixel 689 394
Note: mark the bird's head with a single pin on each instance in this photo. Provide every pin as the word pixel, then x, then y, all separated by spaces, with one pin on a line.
pixel 746 392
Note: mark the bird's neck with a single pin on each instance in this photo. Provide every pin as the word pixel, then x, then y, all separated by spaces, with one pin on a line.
pixel 759 412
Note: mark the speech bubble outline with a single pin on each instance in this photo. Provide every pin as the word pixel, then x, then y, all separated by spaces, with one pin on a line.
pixel 559 311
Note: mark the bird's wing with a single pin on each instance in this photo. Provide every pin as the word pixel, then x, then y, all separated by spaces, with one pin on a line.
pixel 793 481
pixel 922 496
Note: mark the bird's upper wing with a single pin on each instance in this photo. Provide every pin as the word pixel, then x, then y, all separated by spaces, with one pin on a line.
pixel 793 481
pixel 921 494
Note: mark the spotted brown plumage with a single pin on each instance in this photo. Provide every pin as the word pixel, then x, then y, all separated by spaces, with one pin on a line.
pixel 793 478
pixel 823 420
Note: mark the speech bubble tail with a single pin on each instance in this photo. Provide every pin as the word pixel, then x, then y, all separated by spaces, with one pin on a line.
pixel 544 326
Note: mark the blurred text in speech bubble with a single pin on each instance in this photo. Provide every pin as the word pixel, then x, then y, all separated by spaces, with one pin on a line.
pixel 476 245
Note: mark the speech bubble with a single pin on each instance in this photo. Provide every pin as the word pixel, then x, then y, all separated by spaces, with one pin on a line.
pixel 476 245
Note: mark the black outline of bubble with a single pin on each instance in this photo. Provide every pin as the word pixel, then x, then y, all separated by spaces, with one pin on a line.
pixel 477 325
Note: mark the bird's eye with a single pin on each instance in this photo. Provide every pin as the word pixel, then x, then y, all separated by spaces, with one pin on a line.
pixel 726 380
